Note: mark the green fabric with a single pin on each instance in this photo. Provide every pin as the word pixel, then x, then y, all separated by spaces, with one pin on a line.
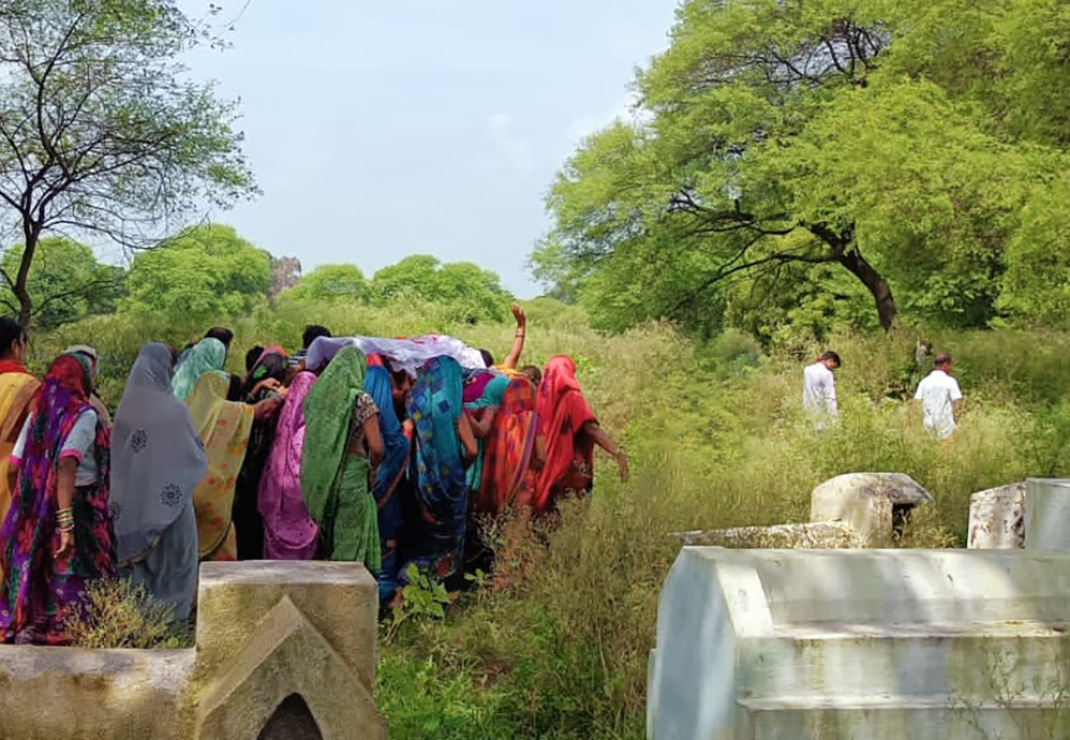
pixel 208 355
pixel 493 396
pixel 334 484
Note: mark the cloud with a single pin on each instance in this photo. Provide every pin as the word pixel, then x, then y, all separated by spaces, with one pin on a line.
pixel 624 109
pixel 517 151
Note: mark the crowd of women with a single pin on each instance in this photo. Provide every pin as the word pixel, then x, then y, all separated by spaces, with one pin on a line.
pixel 332 455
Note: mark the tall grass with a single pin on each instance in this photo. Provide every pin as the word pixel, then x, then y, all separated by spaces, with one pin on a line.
pixel 716 438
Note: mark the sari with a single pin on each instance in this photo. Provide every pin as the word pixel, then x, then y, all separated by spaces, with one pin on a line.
pixel 248 524
pixel 208 355
pixel 562 412
pixel 157 463
pixel 223 427
pixel 334 480
pixel 507 475
pixel 40 592
pixel 441 492
pixel 396 444
pixel 289 532
pixel 490 396
pixel 17 390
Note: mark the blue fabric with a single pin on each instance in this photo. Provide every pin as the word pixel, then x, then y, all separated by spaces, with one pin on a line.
pixel 395 460
pixel 441 492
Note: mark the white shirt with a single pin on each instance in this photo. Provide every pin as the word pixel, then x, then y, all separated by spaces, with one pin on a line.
pixel 80 444
pixel 819 391
pixel 938 392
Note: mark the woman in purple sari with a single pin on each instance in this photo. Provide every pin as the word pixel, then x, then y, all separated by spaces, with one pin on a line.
pixel 58 532
pixel 289 532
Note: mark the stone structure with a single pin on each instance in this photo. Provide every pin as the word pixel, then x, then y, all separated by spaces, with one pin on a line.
pixel 1047 514
pixel 875 505
pixel 997 518
pixel 875 644
pixel 284 650
pixel 815 535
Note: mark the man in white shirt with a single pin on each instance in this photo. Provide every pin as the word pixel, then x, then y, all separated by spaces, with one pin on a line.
pixel 819 389
pixel 940 395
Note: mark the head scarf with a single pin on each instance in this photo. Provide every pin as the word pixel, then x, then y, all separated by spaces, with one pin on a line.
pixel 158 459
pixel 207 355
pixel 562 412
pixel 328 417
pixel 378 385
pixel 82 349
pixel 289 532
pixel 272 363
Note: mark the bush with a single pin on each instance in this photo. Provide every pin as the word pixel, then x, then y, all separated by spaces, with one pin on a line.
pixel 119 614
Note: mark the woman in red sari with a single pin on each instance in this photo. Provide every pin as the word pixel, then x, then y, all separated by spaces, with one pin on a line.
pixel 571 430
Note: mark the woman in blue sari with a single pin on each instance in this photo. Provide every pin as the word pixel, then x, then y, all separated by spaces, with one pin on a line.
pixel 443 443
pixel 396 443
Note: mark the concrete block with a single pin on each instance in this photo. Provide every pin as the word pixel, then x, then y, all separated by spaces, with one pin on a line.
pixel 997 518
pixel 813 535
pixel 875 505
pixel 874 644
pixel 1047 514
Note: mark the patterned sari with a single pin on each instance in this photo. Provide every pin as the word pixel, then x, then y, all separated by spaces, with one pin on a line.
pixel 223 427
pixel 39 591
pixel 563 412
pixel 334 480
pixel 507 450
pixel 437 532
pixel 396 446
pixel 17 390
pixel 289 532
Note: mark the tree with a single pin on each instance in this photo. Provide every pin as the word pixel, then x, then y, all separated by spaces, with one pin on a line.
pixel 333 283
pixel 101 133
pixel 777 134
pixel 67 280
pixel 472 293
pixel 203 273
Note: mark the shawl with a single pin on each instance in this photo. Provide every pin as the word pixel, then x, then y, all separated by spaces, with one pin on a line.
pixel 17 391
pixel 434 406
pixel 562 412
pixel 493 390
pixel 378 385
pixel 404 354
pixel 328 418
pixel 157 458
pixel 207 355
pixel 289 532
pixel 223 427
pixel 507 449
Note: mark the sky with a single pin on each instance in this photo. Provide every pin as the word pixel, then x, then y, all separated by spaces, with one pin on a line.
pixel 379 130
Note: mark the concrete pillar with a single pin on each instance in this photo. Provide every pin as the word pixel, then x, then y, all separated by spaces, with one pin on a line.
pixel 1047 514
pixel 997 518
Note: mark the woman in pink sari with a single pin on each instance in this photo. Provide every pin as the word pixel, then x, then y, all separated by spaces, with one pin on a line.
pixel 289 532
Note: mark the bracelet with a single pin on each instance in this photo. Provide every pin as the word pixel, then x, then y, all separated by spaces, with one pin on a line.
pixel 65 516
pixel 66 528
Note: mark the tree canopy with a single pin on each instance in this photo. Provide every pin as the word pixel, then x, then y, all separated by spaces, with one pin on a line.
pixel 203 273
pixel 777 144
pixel 332 283
pixel 473 293
pixel 101 131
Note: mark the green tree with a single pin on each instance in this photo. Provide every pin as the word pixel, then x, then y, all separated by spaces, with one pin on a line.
pixel 203 273
pixel 860 136
pixel 67 281
pixel 101 131
pixel 332 283
pixel 474 294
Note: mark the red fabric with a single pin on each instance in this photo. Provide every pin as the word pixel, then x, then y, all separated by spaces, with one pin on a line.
pixel 12 366
pixel 507 473
pixel 562 412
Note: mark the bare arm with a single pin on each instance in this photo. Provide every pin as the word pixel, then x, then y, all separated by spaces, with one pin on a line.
pixel 482 427
pixel 513 359
pixel 468 440
pixel 68 466
pixel 374 440
pixel 538 459
pixel 603 440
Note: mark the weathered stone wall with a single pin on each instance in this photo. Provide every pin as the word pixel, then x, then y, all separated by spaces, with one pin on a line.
pixel 284 650
pixel 997 518
pixel 814 535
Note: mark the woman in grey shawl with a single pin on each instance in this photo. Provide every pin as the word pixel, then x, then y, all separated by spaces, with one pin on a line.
pixel 157 461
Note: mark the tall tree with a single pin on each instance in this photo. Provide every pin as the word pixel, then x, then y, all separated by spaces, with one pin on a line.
pixel 101 133
pixel 342 283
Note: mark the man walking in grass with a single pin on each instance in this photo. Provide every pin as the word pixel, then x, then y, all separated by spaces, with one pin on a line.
pixel 819 390
pixel 940 396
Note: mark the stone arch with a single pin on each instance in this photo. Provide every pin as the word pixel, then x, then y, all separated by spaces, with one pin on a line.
pixel 292 720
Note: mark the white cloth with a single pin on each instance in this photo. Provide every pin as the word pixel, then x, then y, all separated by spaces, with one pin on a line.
pixel 79 444
pixel 157 459
pixel 819 392
pixel 402 354
pixel 938 392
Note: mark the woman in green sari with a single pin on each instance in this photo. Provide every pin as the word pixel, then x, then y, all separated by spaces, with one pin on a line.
pixel 343 449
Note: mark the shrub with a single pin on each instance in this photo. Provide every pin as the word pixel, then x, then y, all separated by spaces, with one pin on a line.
pixel 119 614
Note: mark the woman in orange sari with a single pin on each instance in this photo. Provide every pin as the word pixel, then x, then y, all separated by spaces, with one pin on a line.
pixel 18 388
pixel 223 427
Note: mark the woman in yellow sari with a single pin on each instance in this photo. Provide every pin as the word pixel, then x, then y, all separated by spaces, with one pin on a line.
pixel 17 389
pixel 223 427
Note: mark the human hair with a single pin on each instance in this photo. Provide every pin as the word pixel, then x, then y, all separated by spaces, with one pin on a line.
pixel 224 335
pixel 488 358
pixel 252 356
pixel 235 387
pixel 831 356
pixel 943 360
pixel 314 332
pixel 11 333
pixel 532 373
